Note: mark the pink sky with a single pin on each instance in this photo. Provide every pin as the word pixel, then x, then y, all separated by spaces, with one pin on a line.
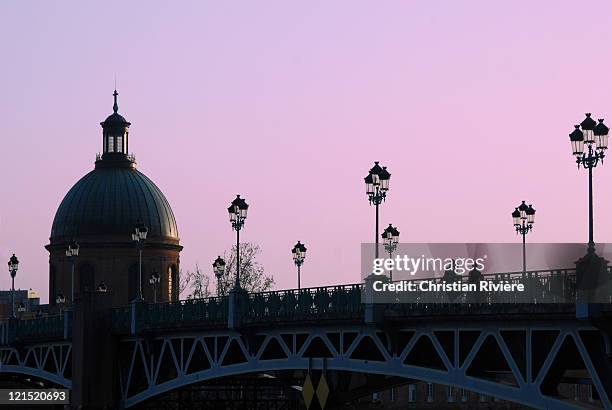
pixel 467 103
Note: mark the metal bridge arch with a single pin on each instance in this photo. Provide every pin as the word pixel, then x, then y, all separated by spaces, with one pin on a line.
pixel 344 353
pixel 50 361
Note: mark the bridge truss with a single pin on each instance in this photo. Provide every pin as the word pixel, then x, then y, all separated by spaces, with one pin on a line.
pixel 45 361
pixel 522 362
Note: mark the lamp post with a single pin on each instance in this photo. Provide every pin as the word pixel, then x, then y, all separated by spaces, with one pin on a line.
pixel 238 213
pixel 377 185
pixel 13 266
pixel 154 281
pixel 60 299
pixel 391 238
pixel 299 255
pixel 139 236
pixel 20 309
pixel 595 135
pixel 219 271
pixel 72 253
pixel 523 219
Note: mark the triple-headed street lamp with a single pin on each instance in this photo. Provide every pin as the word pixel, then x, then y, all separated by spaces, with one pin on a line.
pixel 377 185
pixel 523 219
pixel 139 236
pixel 299 255
pixel 238 213
pixel 391 238
pixel 595 135
pixel 219 271
pixel 13 266
pixel 72 253
pixel 154 281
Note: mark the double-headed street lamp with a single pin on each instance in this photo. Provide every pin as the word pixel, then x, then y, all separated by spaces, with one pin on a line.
pixel 377 185
pixel 139 236
pixel 523 219
pixel 299 255
pixel 154 281
pixel 13 266
pixel 219 271
pixel 72 253
pixel 390 238
pixel 238 213
pixel 595 135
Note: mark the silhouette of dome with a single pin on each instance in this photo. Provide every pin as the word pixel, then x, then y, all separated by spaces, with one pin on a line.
pixel 111 200
pixel 114 197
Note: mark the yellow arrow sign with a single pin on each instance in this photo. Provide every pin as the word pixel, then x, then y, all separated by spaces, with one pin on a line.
pixel 322 391
pixel 308 391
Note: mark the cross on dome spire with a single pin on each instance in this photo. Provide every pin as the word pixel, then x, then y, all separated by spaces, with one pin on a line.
pixel 115 106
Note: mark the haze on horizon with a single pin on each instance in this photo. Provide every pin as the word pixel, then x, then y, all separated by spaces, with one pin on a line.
pixel 469 105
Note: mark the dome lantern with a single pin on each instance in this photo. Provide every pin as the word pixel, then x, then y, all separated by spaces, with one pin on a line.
pixel 115 130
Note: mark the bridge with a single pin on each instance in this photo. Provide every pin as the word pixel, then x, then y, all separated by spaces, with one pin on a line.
pixel 132 355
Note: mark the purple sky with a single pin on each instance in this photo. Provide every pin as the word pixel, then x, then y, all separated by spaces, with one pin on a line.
pixel 468 103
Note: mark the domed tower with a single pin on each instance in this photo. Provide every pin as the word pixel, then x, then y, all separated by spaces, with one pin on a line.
pixel 100 213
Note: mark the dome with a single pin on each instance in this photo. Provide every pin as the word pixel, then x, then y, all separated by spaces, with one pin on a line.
pixel 110 200
pixel 115 118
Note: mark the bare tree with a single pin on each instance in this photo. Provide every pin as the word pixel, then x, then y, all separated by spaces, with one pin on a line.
pixel 196 282
pixel 252 275
pixel 184 281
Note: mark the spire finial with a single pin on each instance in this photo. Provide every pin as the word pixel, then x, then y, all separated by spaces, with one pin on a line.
pixel 115 106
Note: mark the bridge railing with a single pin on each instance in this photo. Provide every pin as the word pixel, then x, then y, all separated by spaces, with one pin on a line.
pixel 320 302
pixel 126 319
pixel 121 319
pixel 343 301
pixel 48 327
pixel 211 310
pixel 540 286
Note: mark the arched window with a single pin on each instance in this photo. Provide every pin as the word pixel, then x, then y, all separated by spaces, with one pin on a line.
pixel 86 278
pixel 173 283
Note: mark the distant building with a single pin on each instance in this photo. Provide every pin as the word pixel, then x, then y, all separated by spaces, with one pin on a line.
pixel 28 300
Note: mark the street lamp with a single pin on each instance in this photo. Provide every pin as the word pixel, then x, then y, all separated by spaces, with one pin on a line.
pixel 237 213
pixel 219 270
pixel 21 308
pixel 377 185
pixel 523 219
pixel 154 281
pixel 391 238
pixel 595 135
pixel 13 266
pixel 139 236
pixel 72 252
pixel 299 255
pixel 60 299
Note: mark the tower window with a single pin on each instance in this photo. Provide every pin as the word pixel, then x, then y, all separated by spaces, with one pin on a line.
pixel 119 143
pixel 110 145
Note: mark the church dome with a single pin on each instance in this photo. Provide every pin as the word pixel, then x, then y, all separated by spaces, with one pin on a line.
pixel 114 197
pixel 110 201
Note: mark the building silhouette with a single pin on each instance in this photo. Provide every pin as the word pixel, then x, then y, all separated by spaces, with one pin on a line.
pixel 100 212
